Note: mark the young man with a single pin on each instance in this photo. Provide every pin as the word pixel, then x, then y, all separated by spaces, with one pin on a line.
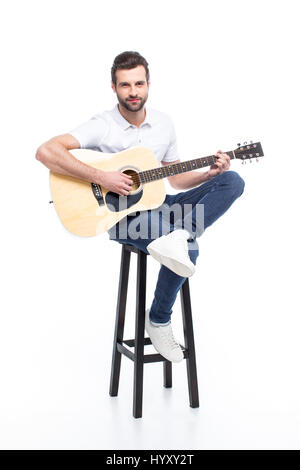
pixel 130 124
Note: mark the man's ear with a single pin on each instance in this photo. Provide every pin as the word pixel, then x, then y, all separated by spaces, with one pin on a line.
pixel 113 87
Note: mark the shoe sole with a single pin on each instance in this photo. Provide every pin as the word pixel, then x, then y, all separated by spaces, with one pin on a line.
pixel 175 266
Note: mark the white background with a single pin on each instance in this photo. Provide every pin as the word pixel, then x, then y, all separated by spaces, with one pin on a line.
pixel 226 72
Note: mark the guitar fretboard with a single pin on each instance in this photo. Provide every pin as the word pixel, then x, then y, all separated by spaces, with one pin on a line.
pixel 171 170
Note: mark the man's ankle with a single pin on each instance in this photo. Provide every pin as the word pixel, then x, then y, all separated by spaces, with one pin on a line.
pixel 159 323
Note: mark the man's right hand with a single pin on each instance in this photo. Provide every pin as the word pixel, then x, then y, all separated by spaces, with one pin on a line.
pixel 115 181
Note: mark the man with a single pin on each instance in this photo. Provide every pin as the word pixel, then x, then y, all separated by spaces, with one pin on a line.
pixel 130 124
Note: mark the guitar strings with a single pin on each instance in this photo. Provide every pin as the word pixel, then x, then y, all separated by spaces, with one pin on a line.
pixel 137 179
pixel 157 173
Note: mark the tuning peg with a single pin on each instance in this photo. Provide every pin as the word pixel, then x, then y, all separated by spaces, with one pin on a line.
pixel 245 143
pixel 251 141
pixel 250 160
pixel 257 159
pixel 238 145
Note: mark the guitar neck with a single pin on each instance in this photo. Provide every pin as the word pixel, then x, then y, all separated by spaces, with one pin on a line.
pixel 177 168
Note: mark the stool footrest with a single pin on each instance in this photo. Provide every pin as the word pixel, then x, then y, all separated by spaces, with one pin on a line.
pixel 156 357
pixel 131 342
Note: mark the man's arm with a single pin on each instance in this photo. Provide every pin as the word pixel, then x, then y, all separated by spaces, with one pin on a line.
pixel 54 155
pixel 193 178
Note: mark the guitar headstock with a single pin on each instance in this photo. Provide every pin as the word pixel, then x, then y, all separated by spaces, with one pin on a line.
pixel 249 151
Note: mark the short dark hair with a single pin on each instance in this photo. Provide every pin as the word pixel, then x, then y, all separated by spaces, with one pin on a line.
pixel 128 60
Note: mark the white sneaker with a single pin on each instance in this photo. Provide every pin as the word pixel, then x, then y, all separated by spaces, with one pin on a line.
pixel 163 340
pixel 172 251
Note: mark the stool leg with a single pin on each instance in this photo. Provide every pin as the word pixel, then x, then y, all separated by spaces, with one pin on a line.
pixel 139 335
pixel 189 344
pixel 120 319
pixel 167 374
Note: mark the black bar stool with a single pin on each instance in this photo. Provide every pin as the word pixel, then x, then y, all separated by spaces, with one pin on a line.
pixel 138 356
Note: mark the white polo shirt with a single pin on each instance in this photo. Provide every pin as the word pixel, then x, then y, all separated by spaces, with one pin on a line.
pixel 109 132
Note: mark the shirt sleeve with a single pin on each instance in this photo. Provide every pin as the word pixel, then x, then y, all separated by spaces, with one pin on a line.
pixel 91 133
pixel 171 154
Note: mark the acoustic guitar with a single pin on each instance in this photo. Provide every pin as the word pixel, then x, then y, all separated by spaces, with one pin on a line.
pixel 87 209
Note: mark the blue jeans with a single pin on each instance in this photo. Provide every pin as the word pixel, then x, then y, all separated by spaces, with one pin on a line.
pixel 215 195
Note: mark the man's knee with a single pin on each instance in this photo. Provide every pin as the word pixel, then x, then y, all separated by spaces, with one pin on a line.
pixel 233 179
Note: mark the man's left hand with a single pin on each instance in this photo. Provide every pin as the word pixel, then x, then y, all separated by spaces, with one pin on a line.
pixel 222 164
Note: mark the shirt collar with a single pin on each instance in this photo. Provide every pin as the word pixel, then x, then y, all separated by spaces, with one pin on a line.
pixel 125 124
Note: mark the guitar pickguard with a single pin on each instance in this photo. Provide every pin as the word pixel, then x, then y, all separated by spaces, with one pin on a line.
pixel 117 203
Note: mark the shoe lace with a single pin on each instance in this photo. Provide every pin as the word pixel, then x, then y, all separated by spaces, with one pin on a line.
pixel 169 337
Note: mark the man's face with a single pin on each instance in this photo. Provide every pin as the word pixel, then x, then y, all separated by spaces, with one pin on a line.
pixel 132 88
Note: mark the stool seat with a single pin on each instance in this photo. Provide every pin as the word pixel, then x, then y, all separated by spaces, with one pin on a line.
pixel 121 346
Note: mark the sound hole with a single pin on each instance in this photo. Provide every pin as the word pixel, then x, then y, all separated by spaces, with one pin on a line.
pixel 135 178
pixel 117 203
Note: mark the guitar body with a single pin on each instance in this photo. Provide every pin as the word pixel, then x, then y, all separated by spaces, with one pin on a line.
pixel 87 209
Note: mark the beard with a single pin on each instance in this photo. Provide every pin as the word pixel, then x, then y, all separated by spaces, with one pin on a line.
pixel 133 107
